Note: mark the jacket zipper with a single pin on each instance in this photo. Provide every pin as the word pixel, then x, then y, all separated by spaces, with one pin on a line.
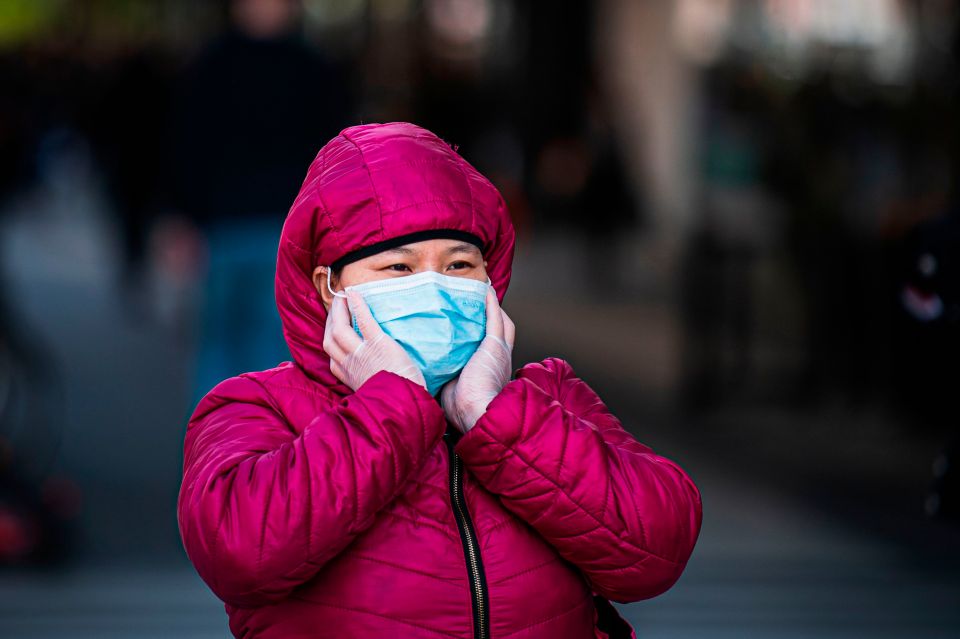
pixel 471 549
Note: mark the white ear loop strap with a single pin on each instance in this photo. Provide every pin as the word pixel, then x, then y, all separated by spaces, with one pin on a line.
pixel 329 288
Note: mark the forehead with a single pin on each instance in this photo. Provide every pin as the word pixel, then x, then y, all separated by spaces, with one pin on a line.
pixel 429 248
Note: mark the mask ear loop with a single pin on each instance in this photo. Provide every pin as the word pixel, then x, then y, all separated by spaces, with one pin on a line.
pixel 333 292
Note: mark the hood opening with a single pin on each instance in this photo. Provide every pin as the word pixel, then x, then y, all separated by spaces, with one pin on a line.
pixel 373 187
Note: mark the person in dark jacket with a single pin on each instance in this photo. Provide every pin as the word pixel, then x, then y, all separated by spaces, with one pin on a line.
pixel 251 111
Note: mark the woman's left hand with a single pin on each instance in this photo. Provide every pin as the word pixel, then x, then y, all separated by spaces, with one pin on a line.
pixel 465 398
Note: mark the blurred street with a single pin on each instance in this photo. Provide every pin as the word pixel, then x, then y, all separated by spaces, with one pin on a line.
pixel 776 559
pixel 738 220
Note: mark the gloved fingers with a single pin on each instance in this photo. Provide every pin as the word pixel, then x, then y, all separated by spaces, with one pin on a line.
pixel 500 342
pixel 368 326
pixel 413 373
pixel 371 344
pixel 330 346
pixel 358 365
pixel 338 371
pixel 494 316
pixel 328 332
pixel 343 340
pixel 509 330
pixel 452 404
pixel 448 394
pixel 497 370
pixel 493 371
pixel 495 350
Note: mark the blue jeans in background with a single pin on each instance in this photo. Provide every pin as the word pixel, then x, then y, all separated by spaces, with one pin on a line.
pixel 240 328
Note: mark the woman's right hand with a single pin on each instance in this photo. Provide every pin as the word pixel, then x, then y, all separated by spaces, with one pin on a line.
pixel 465 398
pixel 354 360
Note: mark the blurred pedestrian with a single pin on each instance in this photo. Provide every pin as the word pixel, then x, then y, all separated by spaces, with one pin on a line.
pixel 253 108
pixel 927 346
pixel 131 127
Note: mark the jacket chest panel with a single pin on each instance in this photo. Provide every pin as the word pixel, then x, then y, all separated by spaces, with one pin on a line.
pixel 410 565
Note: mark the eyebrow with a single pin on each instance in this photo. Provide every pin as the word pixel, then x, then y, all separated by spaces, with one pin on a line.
pixel 462 248
pixel 403 250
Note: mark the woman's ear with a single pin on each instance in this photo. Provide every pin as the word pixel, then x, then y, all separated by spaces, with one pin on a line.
pixel 320 275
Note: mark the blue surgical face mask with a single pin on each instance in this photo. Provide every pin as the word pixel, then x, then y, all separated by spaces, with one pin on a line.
pixel 438 319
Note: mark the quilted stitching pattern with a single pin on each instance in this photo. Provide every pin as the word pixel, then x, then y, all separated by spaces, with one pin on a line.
pixel 310 509
pixel 626 517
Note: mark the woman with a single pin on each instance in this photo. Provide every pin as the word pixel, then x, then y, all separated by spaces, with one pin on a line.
pixel 336 496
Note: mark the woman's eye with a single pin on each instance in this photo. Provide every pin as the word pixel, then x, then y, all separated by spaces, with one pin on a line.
pixel 398 267
pixel 460 265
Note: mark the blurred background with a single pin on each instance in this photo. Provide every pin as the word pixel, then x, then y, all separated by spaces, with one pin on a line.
pixel 738 220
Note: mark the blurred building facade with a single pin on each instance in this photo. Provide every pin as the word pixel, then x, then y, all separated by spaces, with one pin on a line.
pixel 764 188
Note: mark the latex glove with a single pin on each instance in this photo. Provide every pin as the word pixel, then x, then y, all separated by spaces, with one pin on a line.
pixel 354 360
pixel 465 398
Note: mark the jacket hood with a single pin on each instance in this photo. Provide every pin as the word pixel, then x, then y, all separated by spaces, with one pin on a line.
pixel 370 184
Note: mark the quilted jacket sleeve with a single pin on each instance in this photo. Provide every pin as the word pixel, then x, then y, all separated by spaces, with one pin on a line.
pixel 559 460
pixel 262 509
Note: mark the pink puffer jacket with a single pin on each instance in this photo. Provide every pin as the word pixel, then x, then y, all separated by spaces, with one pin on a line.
pixel 315 511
